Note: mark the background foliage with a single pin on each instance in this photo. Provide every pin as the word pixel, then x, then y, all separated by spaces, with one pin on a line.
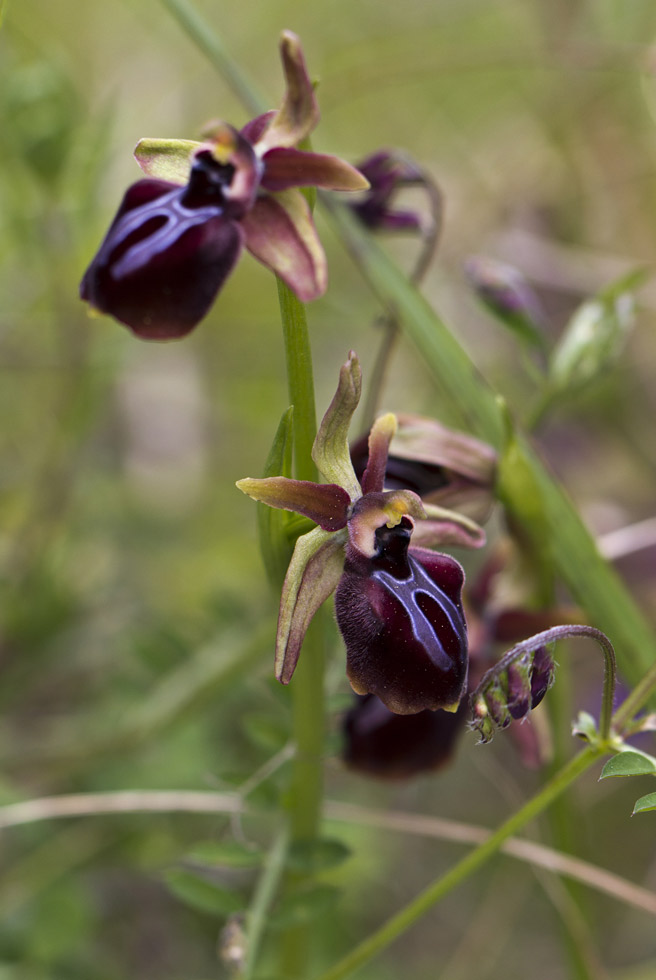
pixel 130 571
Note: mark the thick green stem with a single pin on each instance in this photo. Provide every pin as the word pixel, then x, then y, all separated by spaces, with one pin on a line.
pixel 300 380
pixel 306 791
pixel 398 924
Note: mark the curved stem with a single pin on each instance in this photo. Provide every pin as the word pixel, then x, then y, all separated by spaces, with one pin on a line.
pixel 398 924
pixel 561 633
pixel 389 323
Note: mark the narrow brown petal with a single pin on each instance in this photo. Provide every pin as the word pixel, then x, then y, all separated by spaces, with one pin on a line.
pixel 280 233
pixel 324 503
pixel 285 167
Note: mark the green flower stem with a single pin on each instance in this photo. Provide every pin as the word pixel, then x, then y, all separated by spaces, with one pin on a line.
pixel 308 711
pixel 402 921
pixel 307 689
pixel 639 696
pixel 300 380
pixel 389 325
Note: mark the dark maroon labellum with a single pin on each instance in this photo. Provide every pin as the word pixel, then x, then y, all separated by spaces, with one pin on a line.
pixel 401 617
pixel 167 253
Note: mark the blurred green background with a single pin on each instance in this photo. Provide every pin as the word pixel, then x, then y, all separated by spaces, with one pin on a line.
pixel 136 622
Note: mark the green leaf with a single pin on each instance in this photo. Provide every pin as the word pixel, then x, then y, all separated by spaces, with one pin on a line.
pixel 272 524
pixel 304 905
pixel 226 854
pixel 645 803
pixel 312 856
pixel 629 764
pixel 202 894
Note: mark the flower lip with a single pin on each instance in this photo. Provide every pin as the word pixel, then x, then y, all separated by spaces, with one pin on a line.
pixel 161 263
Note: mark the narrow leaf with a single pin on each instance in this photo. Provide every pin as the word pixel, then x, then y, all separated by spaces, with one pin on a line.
pixel 272 524
pixel 225 854
pixel 595 335
pixel 312 856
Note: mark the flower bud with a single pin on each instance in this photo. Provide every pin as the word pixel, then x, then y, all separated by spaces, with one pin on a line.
pixel 542 675
pixel 380 743
pixel 400 614
pixel 505 293
pixel 518 679
pixel 387 172
pixel 496 701
pixel 481 721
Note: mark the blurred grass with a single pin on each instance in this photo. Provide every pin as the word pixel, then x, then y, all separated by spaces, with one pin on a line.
pixel 126 556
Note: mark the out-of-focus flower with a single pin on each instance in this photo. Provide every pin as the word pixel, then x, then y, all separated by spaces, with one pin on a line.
pixel 388 172
pixel 505 292
pixel 177 235
pixel 447 469
pixel 379 743
pixel 398 607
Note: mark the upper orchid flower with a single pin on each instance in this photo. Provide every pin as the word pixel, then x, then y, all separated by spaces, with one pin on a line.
pixel 398 607
pixel 178 234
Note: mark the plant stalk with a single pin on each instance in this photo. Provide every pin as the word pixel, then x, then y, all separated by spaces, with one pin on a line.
pixel 308 712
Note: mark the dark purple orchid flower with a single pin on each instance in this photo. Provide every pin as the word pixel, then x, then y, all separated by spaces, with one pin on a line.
pixel 400 614
pixel 380 743
pixel 398 607
pixel 177 236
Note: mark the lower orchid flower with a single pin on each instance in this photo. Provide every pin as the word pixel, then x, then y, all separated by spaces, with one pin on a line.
pixel 380 743
pixel 398 607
